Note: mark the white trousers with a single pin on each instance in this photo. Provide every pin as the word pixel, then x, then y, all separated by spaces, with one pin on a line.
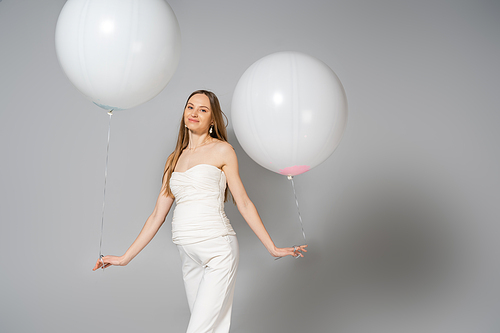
pixel 209 271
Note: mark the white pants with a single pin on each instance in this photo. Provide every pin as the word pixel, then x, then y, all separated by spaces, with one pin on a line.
pixel 209 271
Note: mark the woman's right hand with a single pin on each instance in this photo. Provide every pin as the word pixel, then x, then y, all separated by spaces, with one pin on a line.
pixel 107 261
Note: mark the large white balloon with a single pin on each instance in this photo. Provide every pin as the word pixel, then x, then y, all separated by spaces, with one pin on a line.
pixel 118 53
pixel 289 111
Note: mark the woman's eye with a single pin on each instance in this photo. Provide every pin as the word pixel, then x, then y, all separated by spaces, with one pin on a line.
pixel 203 110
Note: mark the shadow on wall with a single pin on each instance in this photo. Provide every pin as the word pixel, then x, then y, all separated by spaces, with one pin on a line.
pixel 384 259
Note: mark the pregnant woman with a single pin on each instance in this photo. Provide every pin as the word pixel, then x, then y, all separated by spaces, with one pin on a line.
pixel 195 176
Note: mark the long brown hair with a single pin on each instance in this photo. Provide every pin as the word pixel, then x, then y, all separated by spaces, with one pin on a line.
pixel 218 132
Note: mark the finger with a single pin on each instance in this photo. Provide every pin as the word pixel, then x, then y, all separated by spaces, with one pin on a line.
pixel 298 253
pixel 103 262
pixel 97 265
pixel 297 250
pixel 302 248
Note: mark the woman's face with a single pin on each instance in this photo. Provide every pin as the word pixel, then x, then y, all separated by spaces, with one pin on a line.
pixel 197 114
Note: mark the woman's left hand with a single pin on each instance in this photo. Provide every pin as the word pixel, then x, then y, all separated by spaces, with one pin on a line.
pixel 296 251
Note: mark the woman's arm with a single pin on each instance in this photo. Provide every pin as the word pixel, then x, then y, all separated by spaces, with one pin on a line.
pixel 247 208
pixel 149 230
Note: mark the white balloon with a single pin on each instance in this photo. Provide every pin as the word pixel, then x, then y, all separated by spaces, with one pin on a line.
pixel 289 111
pixel 118 53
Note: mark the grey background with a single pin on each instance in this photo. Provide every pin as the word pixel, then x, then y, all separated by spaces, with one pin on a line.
pixel 402 220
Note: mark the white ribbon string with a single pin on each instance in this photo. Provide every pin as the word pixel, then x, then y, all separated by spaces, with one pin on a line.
pixel 300 217
pixel 104 196
pixel 298 209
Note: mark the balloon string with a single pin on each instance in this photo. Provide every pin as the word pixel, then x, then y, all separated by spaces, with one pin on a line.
pixel 298 210
pixel 105 180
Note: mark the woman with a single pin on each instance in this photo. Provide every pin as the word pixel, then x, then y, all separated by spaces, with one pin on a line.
pixel 195 175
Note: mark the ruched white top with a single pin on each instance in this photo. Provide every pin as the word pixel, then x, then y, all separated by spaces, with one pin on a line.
pixel 199 212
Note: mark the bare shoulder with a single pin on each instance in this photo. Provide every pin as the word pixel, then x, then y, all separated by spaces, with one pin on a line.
pixel 224 148
pixel 226 154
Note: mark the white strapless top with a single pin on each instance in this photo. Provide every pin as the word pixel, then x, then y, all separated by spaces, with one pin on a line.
pixel 199 212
